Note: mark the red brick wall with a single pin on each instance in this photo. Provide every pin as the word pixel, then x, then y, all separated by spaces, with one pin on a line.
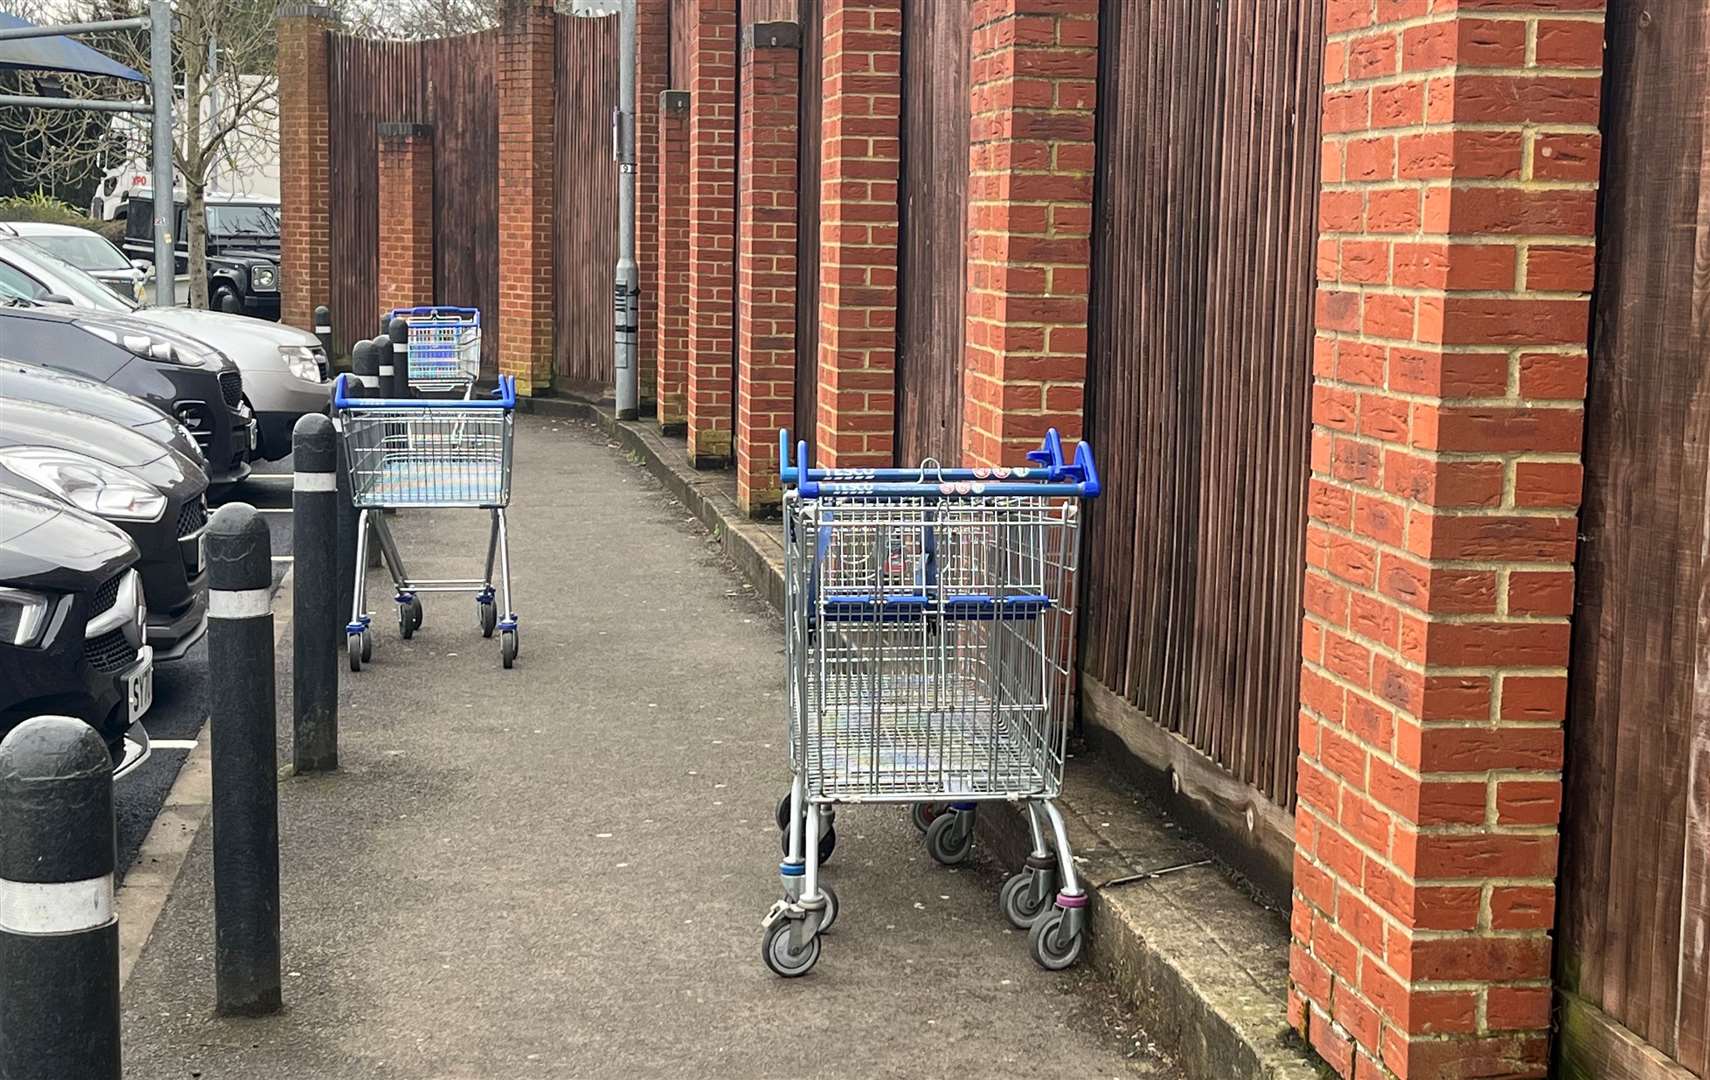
pixel 406 217
pixel 1035 84
pixel 766 260
pixel 652 63
pixel 670 299
pixel 1455 260
pixel 305 265
pixel 526 193
pixel 712 229
pixel 860 158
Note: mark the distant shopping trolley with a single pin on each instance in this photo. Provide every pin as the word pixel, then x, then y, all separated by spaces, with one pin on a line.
pixel 443 347
pixel 929 641
pixel 429 452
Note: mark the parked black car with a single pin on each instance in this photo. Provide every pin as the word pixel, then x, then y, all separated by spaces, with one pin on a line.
pixel 74 393
pixel 156 496
pixel 71 621
pixel 242 246
pixel 199 387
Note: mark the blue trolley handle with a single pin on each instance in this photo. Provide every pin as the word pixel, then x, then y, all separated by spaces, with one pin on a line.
pixel 1085 485
pixel 432 312
pixel 504 397
pixel 1049 455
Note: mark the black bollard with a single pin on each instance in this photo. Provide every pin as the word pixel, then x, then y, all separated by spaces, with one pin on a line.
pixel 383 350
pixel 399 333
pixel 59 938
pixel 246 792
pixel 365 366
pixel 314 595
pixel 323 330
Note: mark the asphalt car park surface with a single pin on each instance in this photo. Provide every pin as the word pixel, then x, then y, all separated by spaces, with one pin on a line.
pixel 179 714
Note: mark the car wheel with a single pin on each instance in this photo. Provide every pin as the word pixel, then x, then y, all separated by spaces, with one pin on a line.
pixel 225 298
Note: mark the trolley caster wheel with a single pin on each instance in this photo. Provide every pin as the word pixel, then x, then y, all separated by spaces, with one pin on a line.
pixel 353 646
pixel 508 647
pixel 922 814
pixel 488 614
pixel 409 617
pixel 1049 950
pixel 367 647
pixel 827 843
pixel 1018 904
pixel 949 840
pixel 831 907
pixel 784 961
pixel 783 815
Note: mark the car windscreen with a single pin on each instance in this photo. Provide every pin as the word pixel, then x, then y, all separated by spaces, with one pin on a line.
pixel 234 220
pixel 89 251
pixel 62 277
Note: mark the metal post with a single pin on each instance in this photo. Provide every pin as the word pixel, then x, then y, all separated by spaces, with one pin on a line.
pixel 59 938
pixel 314 595
pixel 626 287
pixel 323 331
pixel 347 515
pixel 160 88
pixel 399 334
pixel 245 783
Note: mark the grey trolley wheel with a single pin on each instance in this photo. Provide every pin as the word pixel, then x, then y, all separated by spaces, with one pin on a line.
pixel 508 647
pixel 775 949
pixel 923 814
pixel 367 646
pixel 1017 902
pixel 409 618
pixel 948 841
pixel 1049 951
pixel 353 646
pixel 488 614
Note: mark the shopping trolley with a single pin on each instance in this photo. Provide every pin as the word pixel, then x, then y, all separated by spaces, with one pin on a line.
pixel 429 452
pixel 929 642
pixel 443 348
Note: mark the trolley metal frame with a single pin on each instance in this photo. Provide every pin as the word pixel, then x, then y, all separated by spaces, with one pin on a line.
pixel 407 453
pixel 929 642
pixel 443 348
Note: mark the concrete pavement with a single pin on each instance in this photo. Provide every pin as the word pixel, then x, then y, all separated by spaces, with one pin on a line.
pixel 560 871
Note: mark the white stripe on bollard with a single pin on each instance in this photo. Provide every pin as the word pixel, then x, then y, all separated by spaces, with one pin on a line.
pixel 64 907
pixel 386 369
pixel 241 604
pixel 315 481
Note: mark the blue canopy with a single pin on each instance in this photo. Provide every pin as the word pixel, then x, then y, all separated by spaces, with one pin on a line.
pixel 58 54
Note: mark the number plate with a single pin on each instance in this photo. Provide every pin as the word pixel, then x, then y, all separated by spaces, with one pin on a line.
pixel 139 685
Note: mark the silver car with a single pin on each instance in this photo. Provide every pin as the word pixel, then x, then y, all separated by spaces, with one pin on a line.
pixel 285 370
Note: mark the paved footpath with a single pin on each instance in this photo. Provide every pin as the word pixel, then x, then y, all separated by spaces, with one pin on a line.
pixel 559 871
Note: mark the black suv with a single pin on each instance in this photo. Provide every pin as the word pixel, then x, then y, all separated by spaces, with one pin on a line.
pixel 242 244
pixel 201 388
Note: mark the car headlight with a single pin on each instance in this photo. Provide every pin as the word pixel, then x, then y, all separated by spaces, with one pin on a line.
pixel 23 617
pixel 264 277
pixel 146 346
pixel 86 483
pixel 302 362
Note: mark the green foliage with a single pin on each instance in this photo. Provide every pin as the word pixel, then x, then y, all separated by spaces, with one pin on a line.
pixel 39 206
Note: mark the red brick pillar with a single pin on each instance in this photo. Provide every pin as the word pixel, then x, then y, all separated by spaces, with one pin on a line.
pixel 406 216
pixel 858 172
pixel 527 192
pixel 652 77
pixel 1455 259
pixel 1035 82
pixel 305 252
pixel 766 257
pixel 712 229
pixel 670 299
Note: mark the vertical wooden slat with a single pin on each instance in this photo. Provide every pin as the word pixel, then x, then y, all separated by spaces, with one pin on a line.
pixel 1200 368
pixel 1634 927
pixel 585 222
pixel 933 214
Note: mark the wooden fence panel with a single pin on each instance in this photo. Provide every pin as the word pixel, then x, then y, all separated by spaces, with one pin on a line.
pixel 448 83
pixel 933 212
pixel 1634 933
pixel 585 221
pixel 810 117
pixel 1200 371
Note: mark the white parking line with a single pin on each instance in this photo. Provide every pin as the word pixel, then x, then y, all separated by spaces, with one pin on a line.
pixel 173 744
pixel 273 509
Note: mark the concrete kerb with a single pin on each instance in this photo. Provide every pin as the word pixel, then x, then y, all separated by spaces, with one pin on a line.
pixel 1202 962
pixel 153 874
